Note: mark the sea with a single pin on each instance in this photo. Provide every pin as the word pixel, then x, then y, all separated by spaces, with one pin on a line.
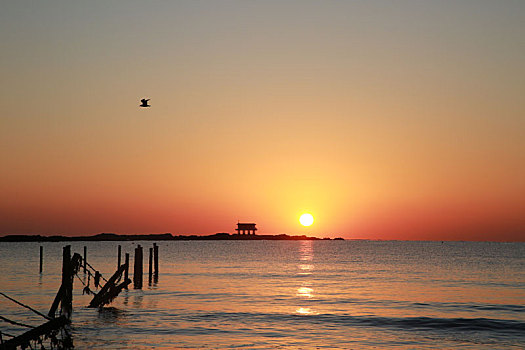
pixel 353 294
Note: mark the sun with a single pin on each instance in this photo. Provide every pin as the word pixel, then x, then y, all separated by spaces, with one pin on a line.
pixel 306 219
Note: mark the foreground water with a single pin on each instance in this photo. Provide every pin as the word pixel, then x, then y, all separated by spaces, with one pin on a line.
pixel 288 294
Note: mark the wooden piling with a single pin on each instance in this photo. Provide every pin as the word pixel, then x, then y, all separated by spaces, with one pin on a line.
pixel 156 260
pixel 85 259
pixel 118 255
pixel 41 258
pixel 150 264
pixel 67 283
pixel 141 265
pixel 139 268
pixel 64 297
pixel 126 271
pixel 135 268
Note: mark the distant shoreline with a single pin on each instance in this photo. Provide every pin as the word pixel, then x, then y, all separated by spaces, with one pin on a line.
pixel 160 237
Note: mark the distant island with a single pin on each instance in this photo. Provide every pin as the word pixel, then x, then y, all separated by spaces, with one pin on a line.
pixel 223 236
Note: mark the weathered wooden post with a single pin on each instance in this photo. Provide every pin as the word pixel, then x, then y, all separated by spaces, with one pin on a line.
pixel 64 296
pixel 118 257
pixel 139 268
pixel 41 258
pixel 156 260
pixel 67 283
pixel 85 259
pixel 126 271
pixel 135 268
pixel 110 289
pixel 150 264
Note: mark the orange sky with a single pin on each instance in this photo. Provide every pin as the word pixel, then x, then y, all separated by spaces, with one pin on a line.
pixel 384 120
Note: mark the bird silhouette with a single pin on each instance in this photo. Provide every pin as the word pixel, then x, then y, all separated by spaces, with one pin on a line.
pixel 145 102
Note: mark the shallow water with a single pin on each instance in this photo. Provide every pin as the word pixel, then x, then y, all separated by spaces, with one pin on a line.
pixel 287 294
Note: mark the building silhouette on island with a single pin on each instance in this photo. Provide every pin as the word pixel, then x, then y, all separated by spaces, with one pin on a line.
pixel 246 228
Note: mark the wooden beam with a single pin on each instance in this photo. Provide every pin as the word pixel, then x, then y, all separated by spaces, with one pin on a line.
pixel 34 334
pixel 114 292
pixel 56 302
pixel 103 296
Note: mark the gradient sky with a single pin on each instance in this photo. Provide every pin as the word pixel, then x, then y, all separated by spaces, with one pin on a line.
pixel 384 119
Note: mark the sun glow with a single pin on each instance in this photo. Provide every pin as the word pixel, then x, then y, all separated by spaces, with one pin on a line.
pixel 306 219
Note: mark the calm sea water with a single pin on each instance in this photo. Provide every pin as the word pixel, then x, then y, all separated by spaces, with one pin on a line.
pixel 288 295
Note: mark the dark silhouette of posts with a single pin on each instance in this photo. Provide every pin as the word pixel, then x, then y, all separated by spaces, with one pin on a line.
pixel 150 264
pixel 41 258
pixel 138 271
pixel 85 259
pixel 118 257
pixel 64 296
pixel 126 271
pixel 110 289
pixel 22 341
pixel 156 260
pixel 67 283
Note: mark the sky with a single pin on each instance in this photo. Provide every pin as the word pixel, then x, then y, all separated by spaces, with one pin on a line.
pixel 383 119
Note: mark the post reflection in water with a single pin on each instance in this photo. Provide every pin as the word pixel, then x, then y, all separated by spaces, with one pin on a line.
pixel 110 314
pixel 138 299
pixel 306 268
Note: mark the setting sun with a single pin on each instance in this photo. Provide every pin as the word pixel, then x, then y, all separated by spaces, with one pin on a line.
pixel 306 219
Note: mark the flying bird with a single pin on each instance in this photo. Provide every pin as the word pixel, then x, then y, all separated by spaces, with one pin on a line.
pixel 145 102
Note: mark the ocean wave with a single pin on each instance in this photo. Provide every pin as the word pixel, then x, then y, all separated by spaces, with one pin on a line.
pixel 406 323
pixel 430 305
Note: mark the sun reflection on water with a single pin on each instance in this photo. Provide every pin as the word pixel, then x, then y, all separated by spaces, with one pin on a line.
pixel 305 311
pixel 306 251
pixel 306 269
pixel 305 291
